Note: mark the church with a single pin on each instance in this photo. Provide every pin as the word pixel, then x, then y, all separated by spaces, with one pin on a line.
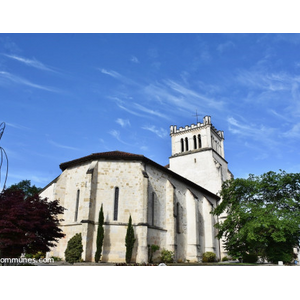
pixel 169 205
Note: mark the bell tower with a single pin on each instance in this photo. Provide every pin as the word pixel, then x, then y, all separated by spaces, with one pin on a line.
pixel 198 154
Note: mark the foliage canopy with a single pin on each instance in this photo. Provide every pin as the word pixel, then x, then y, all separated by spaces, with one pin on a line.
pixel 262 215
pixel 27 223
pixel 74 249
pixel 208 257
pixel 167 256
pixel 25 186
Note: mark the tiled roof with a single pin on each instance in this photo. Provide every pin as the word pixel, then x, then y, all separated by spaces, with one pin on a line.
pixel 119 155
pixel 115 155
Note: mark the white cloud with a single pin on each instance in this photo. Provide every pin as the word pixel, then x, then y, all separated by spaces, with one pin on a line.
pixel 163 95
pixel 262 140
pixel 30 62
pixel 150 111
pixel 17 126
pixel 183 90
pixel 280 116
pixel 135 109
pixel 272 88
pixel 225 46
pixel 111 73
pixel 294 132
pixel 160 132
pixel 62 146
pixel 130 110
pixel 123 122
pixel 259 79
pixel 22 81
pixel 293 38
pixel 153 53
pixel 38 179
pixel 116 134
pixel 181 97
pixel 118 76
pixel 134 59
pixel 255 131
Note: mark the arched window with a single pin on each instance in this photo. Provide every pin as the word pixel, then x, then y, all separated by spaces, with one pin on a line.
pixel 116 203
pixel 199 141
pixel 77 206
pixel 186 144
pixel 195 142
pixel 182 145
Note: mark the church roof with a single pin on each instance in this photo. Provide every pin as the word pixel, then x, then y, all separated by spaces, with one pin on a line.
pixel 114 155
pixel 120 155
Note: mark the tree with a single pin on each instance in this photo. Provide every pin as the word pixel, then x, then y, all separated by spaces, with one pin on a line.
pixel 27 224
pixel 25 186
pixel 129 240
pixel 263 215
pixel 100 235
pixel 74 249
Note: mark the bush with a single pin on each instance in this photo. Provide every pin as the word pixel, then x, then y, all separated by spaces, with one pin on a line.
pixel 74 249
pixel 56 258
pixel 208 257
pixel 39 255
pixel 250 258
pixel 167 256
pixel 225 258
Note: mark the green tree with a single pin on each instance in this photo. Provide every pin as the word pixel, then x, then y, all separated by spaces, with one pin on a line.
pixel 263 215
pixel 25 186
pixel 100 236
pixel 129 241
pixel 74 249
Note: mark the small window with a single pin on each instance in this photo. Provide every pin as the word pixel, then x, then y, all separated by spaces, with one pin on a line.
pixel 182 145
pixel 195 142
pixel 116 204
pixel 199 141
pixel 77 206
pixel 186 144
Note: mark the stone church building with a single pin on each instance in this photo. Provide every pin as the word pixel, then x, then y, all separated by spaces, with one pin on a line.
pixel 170 205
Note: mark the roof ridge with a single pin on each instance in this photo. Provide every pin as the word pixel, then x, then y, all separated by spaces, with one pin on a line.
pixel 117 151
pixel 109 154
pixel 130 156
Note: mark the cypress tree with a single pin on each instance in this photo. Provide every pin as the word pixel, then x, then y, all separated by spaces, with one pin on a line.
pixel 129 240
pixel 100 235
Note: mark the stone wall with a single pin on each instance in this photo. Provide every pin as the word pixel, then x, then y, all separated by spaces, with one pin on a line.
pixel 165 210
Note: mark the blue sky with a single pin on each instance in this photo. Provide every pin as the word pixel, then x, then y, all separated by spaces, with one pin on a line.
pixel 64 96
